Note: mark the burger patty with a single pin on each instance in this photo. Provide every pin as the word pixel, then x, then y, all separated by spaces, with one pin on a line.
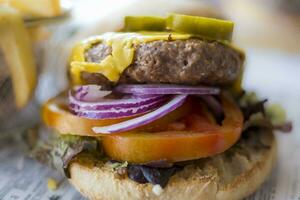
pixel 191 61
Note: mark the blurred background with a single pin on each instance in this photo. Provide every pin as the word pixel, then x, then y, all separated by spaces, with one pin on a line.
pixel 268 31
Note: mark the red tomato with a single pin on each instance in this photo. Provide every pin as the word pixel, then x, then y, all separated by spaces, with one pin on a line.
pixel 202 138
pixel 56 114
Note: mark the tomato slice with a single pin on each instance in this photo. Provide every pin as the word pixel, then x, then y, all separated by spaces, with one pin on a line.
pixel 201 139
pixel 192 135
pixel 56 114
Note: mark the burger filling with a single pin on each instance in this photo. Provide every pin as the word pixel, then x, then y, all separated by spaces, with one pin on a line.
pixel 59 150
pixel 191 62
pixel 149 103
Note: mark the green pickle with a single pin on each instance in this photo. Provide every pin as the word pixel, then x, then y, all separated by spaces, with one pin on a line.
pixel 145 23
pixel 209 28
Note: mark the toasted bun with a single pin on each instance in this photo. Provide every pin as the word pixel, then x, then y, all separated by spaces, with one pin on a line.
pixel 232 175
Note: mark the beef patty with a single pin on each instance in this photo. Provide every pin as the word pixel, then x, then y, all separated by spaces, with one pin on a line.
pixel 191 61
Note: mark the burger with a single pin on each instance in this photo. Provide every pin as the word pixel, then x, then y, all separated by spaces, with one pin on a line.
pixel 157 111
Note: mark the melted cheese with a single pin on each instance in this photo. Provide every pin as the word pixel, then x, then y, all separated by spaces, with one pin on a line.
pixel 122 55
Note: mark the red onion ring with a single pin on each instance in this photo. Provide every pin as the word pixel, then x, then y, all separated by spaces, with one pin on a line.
pixel 215 107
pixel 90 101
pixel 165 89
pixel 126 102
pixel 176 101
pixel 118 113
pixel 90 93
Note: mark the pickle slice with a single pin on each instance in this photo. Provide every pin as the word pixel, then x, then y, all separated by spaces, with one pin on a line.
pixel 145 23
pixel 210 28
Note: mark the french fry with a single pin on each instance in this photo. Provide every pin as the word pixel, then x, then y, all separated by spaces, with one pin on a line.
pixel 36 8
pixel 38 33
pixel 17 50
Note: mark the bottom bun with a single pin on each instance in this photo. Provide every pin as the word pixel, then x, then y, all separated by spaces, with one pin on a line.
pixel 234 174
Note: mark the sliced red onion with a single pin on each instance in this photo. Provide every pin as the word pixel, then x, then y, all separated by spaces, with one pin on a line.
pixel 118 113
pixel 125 102
pixel 176 101
pixel 165 89
pixel 90 93
pixel 215 106
pixel 146 95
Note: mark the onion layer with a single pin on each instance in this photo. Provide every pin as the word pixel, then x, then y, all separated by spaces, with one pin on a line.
pixel 90 93
pixel 130 100
pixel 125 102
pixel 118 113
pixel 166 89
pixel 176 101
